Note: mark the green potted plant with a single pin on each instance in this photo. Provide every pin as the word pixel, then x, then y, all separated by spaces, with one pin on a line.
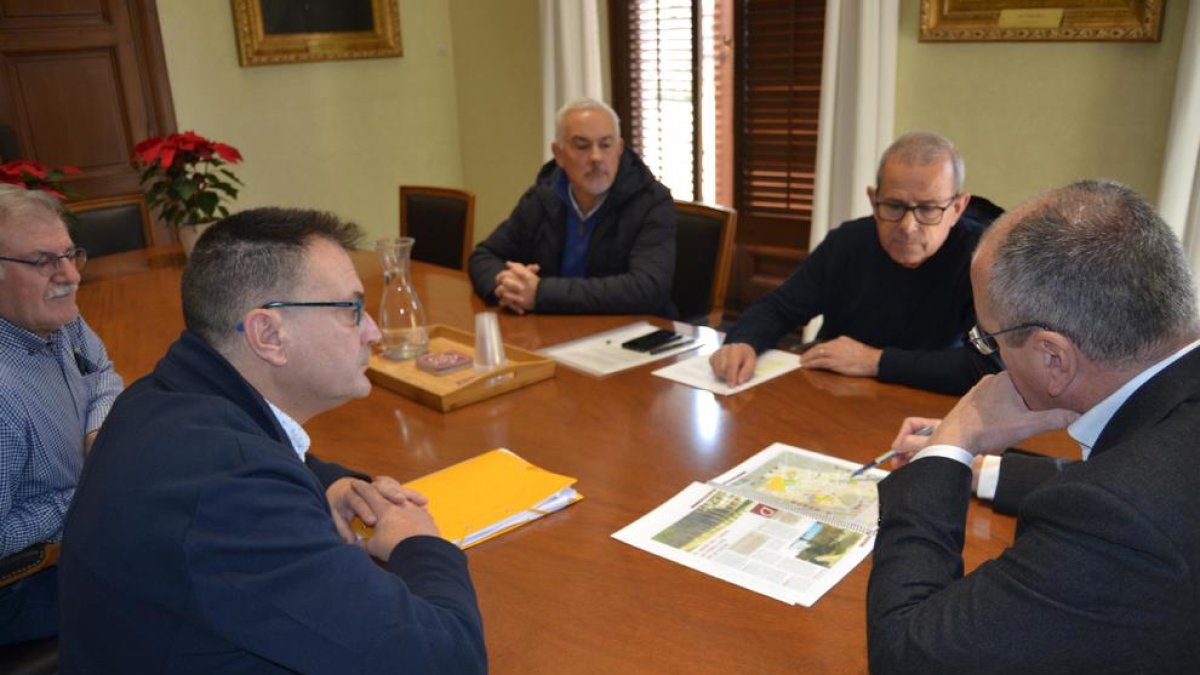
pixel 186 177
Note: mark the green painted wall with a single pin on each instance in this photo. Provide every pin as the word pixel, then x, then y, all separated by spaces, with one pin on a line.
pixel 339 135
pixel 1033 116
pixel 499 89
pixel 463 107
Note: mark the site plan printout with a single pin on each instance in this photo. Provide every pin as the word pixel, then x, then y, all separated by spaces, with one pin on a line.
pixel 788 523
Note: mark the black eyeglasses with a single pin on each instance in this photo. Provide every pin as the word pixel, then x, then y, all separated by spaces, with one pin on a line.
pixel 986 343
pixel 48 264
pixel 926 214
pixel 355 304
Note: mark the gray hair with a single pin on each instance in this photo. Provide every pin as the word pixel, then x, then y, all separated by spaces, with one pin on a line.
pixel 248 259
pixel 18 205
pixel 922 148
pixel 1095 262
pixel 581 105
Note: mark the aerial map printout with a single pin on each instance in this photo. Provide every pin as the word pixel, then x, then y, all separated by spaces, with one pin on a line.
pixel 788 523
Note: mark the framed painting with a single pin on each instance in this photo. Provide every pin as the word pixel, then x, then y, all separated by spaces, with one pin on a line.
pixel 1026 20
pixel 293 31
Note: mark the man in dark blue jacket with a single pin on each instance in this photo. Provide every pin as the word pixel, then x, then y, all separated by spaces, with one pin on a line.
pixel 203 538
pixel 894 290
pixel 594 235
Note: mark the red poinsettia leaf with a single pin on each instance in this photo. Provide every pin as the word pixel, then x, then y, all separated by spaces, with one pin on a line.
pixel 34 169
pixel 166 157
pixel 227 153
pixel 188 140
pixel 68 169
pixel 147 146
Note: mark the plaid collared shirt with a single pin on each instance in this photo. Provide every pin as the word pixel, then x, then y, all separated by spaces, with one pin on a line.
pixel 54 390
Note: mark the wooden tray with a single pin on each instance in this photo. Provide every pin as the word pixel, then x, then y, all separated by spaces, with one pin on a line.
pixel 462 387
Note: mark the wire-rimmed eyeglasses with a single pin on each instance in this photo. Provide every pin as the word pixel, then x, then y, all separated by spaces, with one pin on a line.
pixel 985 343
pixel 48 264
pixel 925 213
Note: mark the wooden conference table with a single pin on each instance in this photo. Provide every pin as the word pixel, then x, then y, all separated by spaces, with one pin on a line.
pixel 560 595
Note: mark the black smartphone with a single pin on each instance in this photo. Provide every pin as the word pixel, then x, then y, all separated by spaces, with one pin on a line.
pixel 645 343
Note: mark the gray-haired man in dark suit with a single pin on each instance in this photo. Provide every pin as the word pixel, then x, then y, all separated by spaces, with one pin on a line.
pixel 1086 293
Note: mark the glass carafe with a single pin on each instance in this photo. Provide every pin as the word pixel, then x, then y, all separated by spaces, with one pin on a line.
pixel 401 317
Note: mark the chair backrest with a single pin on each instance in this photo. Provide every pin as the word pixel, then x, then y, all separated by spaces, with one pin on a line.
pixel 110 225
pixel 442 220
pixel 703 252
pixel 982 209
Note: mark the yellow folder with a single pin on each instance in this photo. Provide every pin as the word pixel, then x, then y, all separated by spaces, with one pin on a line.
pixel 490 494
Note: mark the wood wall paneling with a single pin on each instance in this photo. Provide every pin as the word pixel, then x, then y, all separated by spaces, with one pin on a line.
pixel 50 10
pixel 52 91
pixel 81 82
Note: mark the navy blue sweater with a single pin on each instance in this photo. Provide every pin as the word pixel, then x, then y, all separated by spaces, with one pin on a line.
pixel 918 317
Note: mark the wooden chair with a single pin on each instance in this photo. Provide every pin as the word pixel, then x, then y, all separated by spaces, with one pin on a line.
pixel 108 225
pixel 703 252
pixel 442 220
pixel 35 657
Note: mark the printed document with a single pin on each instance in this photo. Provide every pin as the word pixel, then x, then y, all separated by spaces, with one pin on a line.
pixel 788 523
pixel 695 372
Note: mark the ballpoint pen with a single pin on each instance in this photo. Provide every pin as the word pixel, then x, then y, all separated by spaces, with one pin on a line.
pixel 923 431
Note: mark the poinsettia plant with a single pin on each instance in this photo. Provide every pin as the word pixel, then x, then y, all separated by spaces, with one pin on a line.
pixel 37 176
pixel 186 176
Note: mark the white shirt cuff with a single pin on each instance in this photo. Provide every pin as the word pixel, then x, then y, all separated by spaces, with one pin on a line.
pixel 948 451
pixel 989 477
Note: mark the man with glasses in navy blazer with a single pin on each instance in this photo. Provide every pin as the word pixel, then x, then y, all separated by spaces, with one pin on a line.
pixel 206 538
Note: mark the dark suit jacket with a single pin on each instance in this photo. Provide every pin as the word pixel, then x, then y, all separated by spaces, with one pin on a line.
pixel 199 543
pixel 1103 575
pixel 1020 473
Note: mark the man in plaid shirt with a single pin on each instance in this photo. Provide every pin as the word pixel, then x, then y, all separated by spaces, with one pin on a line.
pixel 57 386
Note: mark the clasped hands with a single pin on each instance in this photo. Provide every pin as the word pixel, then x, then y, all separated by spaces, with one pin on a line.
pixel 516 286
pixel 394 511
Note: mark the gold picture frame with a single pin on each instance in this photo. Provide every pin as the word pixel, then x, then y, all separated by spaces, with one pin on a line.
pixel 1031 20
pixel 264 38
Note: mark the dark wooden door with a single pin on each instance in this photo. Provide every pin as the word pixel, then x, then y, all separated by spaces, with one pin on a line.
pixel 81 82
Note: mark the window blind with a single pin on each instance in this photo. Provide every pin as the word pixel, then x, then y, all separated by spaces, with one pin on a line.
pixel 779 53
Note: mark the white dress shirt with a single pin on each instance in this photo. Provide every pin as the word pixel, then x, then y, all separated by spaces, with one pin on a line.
pixel 1085 430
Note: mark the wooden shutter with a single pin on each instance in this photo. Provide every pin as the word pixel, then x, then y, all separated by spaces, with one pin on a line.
pixel 778 66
